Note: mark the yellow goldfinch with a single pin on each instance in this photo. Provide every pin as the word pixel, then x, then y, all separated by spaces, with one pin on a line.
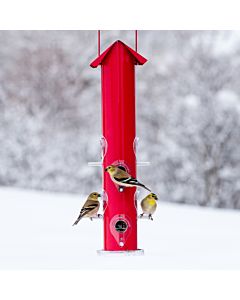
pixel 122 178
pixel 90 207
pixel 149 205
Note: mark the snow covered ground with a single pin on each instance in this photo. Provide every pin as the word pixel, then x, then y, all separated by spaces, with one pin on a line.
pixel 36 233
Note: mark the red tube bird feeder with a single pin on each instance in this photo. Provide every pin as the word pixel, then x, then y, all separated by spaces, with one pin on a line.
pixel 119 134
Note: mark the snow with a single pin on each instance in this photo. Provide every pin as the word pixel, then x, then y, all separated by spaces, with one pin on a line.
pixel 192 102
pixel 36 233
pixel 228 100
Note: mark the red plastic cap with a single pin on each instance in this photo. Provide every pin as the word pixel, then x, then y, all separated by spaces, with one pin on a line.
pixel 138 59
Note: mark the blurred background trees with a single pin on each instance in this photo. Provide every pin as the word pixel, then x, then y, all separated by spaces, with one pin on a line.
pixel 188 112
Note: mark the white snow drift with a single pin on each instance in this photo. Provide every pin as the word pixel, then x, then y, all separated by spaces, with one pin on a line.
pixel 36 233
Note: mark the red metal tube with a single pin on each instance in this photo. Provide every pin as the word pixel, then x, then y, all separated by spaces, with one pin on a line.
pixel 119 132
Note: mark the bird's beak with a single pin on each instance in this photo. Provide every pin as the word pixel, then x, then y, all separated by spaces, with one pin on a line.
pixel 99 195
pixel 106 169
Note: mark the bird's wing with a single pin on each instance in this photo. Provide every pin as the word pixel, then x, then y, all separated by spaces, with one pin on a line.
pixel 131 181
pixel 122 179
pixel 88 206
pixel 121 174
pixel 127 180
pixel 144 204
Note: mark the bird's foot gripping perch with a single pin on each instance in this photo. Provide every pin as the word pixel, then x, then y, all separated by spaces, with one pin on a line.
pixel 142 216
pixel 150 217
pixel 98 216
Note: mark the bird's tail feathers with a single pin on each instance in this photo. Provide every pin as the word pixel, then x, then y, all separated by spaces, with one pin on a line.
pixel 83 212
pixel 133 182
pixel 76 222
pixel 146 188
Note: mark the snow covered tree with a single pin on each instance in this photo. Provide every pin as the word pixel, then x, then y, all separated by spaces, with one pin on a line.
pixel 188 106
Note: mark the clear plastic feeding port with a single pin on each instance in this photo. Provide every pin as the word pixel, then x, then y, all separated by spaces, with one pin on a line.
pixel 104 147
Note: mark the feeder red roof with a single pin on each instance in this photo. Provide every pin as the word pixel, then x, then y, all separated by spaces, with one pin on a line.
pixel 138 59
